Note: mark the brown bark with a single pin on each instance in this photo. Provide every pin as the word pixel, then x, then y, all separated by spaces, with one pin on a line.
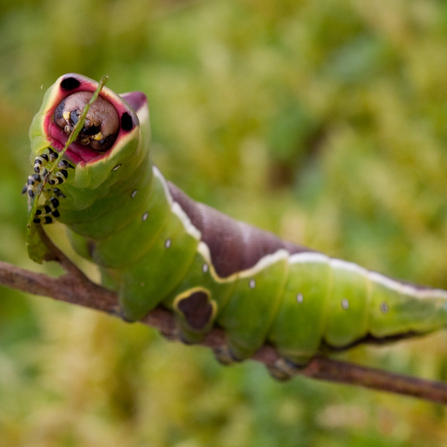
pixel 75 288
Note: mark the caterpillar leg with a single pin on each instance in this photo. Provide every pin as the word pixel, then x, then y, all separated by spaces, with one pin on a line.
pixel 284 369
pixel 225 356
pixel 57 192
pixel 41 161
pixel 46 212
pixel 31 185
pixel 41 172
pixel 60 174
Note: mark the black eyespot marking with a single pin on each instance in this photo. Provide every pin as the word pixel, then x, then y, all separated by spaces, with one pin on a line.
pixel 70 84
pixel 126 122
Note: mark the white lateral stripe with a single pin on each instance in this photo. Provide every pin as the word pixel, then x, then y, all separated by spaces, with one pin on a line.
pixel 345 265
pixel 385 281
pixel 406 289
pixel 205 252
pixel 189 227
pixel 308 256
pixel 264 262
pixel 158 174
pixel 176 208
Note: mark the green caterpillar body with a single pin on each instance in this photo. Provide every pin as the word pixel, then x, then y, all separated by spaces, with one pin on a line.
pixel 154 245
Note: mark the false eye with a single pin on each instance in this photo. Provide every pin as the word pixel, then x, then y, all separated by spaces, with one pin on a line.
pixel 101 125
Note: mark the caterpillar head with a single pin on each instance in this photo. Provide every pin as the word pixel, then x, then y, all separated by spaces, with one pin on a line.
pixel 112 123
pixel 111 146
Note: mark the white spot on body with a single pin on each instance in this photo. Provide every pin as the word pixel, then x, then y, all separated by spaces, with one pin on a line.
pixel 345 304
pixel 205 268
pixel 299 298
pixel 116 167
pixel 145 216
pixel 168 243
pixel 407 289
pixel 252 284
pixel 134 193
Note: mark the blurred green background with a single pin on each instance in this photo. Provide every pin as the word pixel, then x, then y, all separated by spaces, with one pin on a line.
pixel 322 121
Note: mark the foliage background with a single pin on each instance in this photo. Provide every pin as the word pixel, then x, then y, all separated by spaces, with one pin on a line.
pixel 322 121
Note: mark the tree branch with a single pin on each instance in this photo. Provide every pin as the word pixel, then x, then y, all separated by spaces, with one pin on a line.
pixel 75 288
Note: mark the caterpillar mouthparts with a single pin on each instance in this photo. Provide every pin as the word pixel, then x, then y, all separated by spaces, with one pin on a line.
pixel 101 125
